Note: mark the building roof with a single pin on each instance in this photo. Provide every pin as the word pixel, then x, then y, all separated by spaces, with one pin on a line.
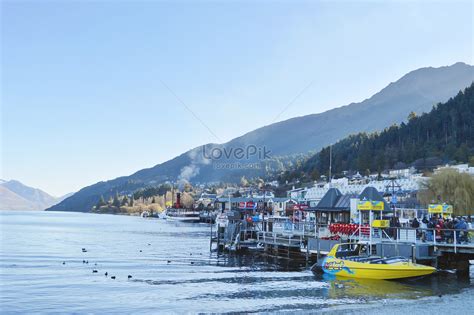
pixel 241 199
pixel 208 196
pixel 284 199
pixel 334 201
pixel 330 199
pixel 371 193
pixel 344 202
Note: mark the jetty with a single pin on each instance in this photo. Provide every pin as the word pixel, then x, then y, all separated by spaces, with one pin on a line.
pixel 310 232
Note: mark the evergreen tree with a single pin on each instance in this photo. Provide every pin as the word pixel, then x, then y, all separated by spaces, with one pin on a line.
pixel 445 134
pixel 101 202
pixel 124 201
pixel 315 175
pixel 116 201
pixel 411 116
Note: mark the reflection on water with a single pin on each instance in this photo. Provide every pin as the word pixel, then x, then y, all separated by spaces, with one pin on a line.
pixel 172 271
pixel 363 288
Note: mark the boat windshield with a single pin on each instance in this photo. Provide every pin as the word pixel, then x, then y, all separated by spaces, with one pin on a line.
pixel 394 260
pixel 349 250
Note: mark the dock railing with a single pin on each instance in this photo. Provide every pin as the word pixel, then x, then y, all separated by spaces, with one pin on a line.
pixel 289 240
pixel 454 238
pixel 289 233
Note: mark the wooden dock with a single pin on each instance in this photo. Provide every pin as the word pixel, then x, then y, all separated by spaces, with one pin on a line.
pixel 314 242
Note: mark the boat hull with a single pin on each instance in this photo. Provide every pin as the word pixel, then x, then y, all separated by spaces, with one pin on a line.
pixel 184 219
pixel 350 269
pixel 182 215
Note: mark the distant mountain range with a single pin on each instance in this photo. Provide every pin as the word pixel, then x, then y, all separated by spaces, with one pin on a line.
pixel 417 91
pixel 16 196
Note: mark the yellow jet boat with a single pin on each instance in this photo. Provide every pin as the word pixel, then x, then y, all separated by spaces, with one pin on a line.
pixel 344 262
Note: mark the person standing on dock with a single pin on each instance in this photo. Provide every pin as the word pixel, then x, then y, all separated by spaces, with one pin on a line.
pixel 416 224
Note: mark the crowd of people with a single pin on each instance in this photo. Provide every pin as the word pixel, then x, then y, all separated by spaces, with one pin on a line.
pixel 441 229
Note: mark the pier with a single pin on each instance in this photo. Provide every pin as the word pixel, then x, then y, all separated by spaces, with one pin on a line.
pixel 449 248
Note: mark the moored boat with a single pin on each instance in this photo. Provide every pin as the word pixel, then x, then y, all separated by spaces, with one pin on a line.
pixel 182 214
pixel 345 262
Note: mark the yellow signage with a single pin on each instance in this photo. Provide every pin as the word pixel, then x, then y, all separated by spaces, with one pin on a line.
pixel 364 205
pixel 380 223
pixel 367 205
pixel 378 205
pixel 445 209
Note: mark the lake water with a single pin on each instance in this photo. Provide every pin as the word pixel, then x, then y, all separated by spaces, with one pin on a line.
pixel 173 271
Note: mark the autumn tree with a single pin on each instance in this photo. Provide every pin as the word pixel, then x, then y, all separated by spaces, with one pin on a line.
pixel 187 200
pixel 244 182
pixel 451 187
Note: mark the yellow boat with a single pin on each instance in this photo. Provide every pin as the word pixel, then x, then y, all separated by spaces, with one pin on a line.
pixel 344 262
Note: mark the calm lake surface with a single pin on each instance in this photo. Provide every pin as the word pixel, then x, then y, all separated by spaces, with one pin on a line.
pixel 34 279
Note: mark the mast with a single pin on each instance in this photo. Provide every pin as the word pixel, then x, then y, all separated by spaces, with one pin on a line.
pixel 330 164
pixel 172 194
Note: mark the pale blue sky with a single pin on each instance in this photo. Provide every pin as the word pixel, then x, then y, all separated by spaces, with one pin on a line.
pixel 82 98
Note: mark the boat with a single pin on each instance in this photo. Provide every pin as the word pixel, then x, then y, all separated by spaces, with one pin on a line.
pixel 182 214
pixel 222 220
pixel 208 216
pixel 345 262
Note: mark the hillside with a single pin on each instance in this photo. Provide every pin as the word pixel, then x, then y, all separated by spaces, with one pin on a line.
pixel 417 91
pixel 445 134
pixel 16 196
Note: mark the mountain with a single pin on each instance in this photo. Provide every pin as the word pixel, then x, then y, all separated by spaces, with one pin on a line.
pixel 417 91
pixel 59 199
pixel 16 196
pixel 444 134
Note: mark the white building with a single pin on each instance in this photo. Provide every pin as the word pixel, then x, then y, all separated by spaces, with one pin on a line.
pixel 461 168
pixel 406 172
pixel 314 194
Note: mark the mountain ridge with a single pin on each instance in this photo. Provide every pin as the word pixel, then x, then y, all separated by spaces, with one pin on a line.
pixel 15 195
pixel 441 136
pixel 416 91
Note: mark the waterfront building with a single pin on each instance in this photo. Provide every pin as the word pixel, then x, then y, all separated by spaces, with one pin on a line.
pixel 279 206
pixel 333 207
pixel 206 200
pixel 461 168
pixel 400 182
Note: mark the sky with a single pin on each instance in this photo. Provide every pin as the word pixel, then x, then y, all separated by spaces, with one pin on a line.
pixel 93 90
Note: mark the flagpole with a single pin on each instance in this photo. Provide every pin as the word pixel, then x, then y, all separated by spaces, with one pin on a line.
pixel 330 164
